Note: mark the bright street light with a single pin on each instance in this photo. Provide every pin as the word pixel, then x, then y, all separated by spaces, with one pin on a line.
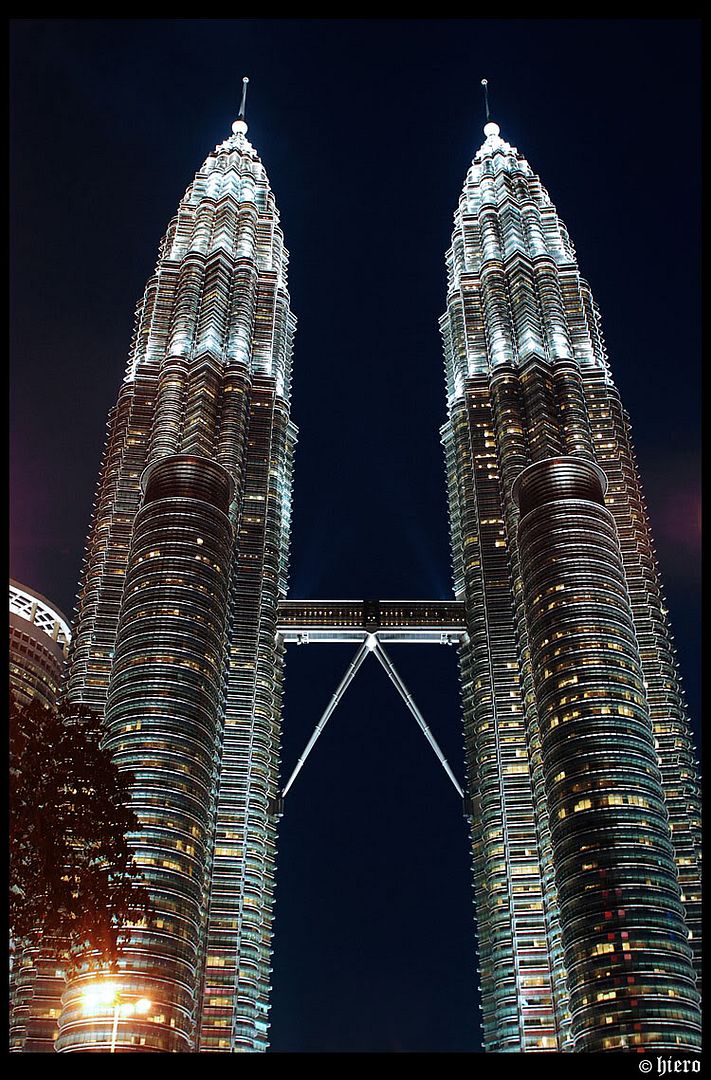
pixel 108 994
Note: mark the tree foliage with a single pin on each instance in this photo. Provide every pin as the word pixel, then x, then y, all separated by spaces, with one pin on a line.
pixel 72 874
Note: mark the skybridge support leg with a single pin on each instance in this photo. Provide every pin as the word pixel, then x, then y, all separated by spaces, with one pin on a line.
pixel 407 698
pixel 343 686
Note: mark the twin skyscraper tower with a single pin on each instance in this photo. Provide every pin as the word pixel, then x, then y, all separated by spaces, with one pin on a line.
pixel 581 785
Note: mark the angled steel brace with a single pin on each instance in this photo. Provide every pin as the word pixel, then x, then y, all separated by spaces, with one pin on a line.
pixel 357 660
pixel 407 698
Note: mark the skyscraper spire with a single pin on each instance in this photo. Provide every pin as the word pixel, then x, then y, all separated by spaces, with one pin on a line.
pixel 240 125
pixel 243 104
pixel 485 84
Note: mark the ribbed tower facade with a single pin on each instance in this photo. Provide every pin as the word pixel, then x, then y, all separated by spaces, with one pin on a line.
pixel 175 636
pixel 582 787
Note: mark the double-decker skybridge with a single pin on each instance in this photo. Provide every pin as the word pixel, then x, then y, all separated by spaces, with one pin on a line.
pixel 371 624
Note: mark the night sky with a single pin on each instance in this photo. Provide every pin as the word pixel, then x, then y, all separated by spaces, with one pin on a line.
pixel 367 129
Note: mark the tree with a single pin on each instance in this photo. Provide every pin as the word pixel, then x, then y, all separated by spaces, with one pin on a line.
pixel 72 873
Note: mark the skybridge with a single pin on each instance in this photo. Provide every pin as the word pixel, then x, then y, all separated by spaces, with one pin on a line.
pixel 401 622
pixel 371 624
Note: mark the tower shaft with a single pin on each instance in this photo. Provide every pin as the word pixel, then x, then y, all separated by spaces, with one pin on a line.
pixel 528 382
pixel 175 636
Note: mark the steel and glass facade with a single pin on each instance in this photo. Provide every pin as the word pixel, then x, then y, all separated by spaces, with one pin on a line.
pixel 583 793
pixel 175 636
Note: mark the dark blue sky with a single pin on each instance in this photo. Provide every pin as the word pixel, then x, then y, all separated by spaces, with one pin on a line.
pixel 367 128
